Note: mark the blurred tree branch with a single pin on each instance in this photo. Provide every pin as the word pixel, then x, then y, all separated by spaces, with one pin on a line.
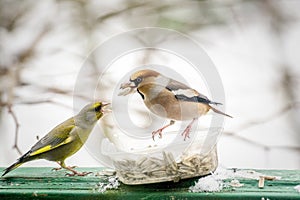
pixel 269 118
pixel 256 122
pixel 189 16
pixel 10 111
pixel 10 72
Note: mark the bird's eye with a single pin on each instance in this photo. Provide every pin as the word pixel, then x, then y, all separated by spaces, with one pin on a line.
pixel 139 79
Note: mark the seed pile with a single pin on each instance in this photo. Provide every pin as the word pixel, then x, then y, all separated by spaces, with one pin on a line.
pixel 152 169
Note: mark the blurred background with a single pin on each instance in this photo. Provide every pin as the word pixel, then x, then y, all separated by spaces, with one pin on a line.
pixel 254 44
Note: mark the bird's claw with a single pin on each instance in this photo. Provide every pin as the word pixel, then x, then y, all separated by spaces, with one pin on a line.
pixel 159 132
pixel 186 133
pixel 59 168
pixel 56 168
pixel 187 130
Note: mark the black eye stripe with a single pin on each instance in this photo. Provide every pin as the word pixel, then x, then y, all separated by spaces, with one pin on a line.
pixel 137 81
pixel 97 109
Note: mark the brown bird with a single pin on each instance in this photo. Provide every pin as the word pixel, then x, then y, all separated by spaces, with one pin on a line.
pixel 169 98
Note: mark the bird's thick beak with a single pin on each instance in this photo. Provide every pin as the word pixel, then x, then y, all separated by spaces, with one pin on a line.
pixel 106 110
pixel 127 88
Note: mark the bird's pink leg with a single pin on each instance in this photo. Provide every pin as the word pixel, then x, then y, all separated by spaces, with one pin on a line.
pixel 159 131
pixel 59 168
pixel 74 172
pixel 186 132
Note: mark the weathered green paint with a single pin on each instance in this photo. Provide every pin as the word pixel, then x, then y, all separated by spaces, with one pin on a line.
pixel 42 183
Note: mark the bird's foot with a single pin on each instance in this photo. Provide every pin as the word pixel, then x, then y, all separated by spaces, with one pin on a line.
pixel 56 168
pixel 59 168
pixel 186 132
pixel 159 132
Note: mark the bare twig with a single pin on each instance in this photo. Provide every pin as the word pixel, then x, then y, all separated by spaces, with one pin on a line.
pixel 29 51
pixel 62 92
pixel 271 117
pixel 16 121
pixel 262 145
pixel 14 116
pixel 44 101
pixel 262 121
pixel 123 10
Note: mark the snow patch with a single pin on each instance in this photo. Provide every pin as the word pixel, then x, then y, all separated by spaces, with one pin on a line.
pixel 112 183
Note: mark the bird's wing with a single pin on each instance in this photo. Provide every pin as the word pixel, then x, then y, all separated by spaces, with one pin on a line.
pixel 176 85
pixel 60 135
pixel 184 93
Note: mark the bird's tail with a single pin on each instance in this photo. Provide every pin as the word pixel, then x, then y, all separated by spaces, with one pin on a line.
pixel 23 159
pixel 220 112
pixel 12 167
pixel 215 103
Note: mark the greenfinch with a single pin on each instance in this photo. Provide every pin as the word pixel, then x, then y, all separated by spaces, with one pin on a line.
pixel 65 139
pixel 168 98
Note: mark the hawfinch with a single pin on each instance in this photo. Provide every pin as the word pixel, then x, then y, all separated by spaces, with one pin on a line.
pixel 168 98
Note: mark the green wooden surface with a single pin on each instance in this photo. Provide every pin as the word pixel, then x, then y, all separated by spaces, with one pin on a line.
pixel 42 183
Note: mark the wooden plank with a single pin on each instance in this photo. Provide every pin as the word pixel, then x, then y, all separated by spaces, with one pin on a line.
pixel 42 183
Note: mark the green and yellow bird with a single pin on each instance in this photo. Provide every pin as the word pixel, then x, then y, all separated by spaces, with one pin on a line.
pixel 65 139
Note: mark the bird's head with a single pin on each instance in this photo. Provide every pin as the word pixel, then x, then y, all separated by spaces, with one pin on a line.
pixel 92 112
pixel 137 80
